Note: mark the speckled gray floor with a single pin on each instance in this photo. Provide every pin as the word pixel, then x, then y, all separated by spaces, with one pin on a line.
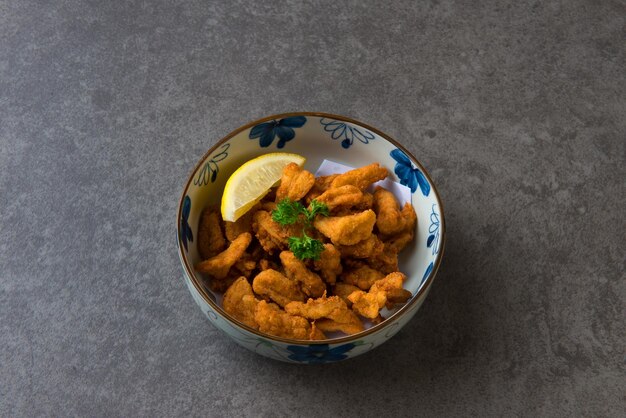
pixel 516 108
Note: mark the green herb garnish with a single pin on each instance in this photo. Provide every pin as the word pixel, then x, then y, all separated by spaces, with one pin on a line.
pixel 316 208
pixel 288 212
pixel 306 247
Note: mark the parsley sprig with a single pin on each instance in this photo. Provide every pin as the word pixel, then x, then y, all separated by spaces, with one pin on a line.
pixel 288 212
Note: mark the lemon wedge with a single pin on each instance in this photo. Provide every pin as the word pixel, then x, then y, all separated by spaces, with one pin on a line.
pixel 252 181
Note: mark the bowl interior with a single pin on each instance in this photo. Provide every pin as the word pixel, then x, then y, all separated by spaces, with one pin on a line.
pixel 316 137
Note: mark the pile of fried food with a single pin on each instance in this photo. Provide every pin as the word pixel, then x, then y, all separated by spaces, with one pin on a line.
pixel 314 256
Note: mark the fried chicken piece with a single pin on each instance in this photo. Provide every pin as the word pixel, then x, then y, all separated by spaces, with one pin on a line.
pixel 391 285
pixel 402 237
pixel 389 282
pixel 332 307
pixel 389 219
pixel 266 264
pixel 367 304
pixel 387 290
pixel 347 230
pixel 386 261
pixel 274 321
pixel 311 283
pixel 241 225
pixel 240 303
pixel 344 196
pixel 219 265
pixel 361 177
pixel 367 201
pixel 343 290
pixel 210 238
pixel 316 333
pixel 295 183
pixel 398 242
pixel 267 206
pixel 329 263
pixel 321 184
pixel 272 235
pixel 409 215
pixel 369 247
pixel 220 286
pixel 328 325
pixel 273 285
pixel 245 265
pixel 363 276
pixel 395 296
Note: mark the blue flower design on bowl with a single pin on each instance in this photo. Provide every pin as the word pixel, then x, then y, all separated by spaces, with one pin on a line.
pixel 433 230
pixel 409 176
pixel 318 354
pixel 427 272
pixel 210 169
pixel 185 229
pixel 283 129
pixel 345 132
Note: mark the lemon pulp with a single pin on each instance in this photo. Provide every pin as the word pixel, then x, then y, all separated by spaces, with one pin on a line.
pixel 252 181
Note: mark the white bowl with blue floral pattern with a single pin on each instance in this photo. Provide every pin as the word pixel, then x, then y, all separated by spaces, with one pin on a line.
pixel 316 136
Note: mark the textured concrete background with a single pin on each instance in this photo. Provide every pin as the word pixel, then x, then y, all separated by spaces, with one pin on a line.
pixel 516 108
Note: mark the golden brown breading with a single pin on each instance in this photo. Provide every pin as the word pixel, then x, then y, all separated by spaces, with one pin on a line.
pixel 362 276
pixel 316 333
pixel 219 265
pixel 241 225
pixel 367 201
pixel 361 177
pixel 369 247
pixel 387 290
pixel 310 283
pixel 295 183
pixel 329 263
pixel 267 206
pixel 389 282
pixel 347 230
pixel 266 264
pixel 321 184
pixel 345 196
pixel 367 304
pixel 272 235
pixel 245 265
pixel 395 296
pixel 332 307
pixel 386 261
pixel 400 239
pixel 273 285
pixel 210 238
pixel 221 285
pixel 274 321
pixel 389 220
pixel 343 290
pixel 409 215
pixel 328 325
pixel 239 302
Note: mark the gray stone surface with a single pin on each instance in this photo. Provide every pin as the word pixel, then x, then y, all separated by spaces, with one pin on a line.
pixel 516 108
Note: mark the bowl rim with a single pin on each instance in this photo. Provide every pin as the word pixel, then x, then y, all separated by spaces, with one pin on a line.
pixel 353 337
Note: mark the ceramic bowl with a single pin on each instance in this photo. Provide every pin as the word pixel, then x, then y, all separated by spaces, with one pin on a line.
pixel 316 136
